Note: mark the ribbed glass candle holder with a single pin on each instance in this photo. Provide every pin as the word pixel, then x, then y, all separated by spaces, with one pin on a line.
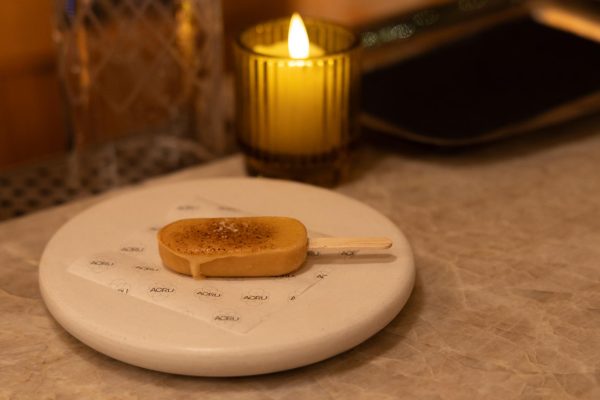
pixel 296 118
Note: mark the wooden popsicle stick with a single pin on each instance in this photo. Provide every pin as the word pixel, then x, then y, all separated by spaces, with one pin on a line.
pixel 349 243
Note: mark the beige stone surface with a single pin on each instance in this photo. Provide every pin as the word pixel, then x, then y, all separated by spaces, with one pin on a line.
pixel 506 303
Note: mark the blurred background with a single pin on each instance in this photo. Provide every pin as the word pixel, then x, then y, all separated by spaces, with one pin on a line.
pixel 438 72
pixel 32 123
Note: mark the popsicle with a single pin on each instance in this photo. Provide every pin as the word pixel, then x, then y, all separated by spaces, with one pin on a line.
pixel 245 246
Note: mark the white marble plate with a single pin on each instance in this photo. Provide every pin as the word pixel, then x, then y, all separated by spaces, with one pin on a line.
pixel 359 296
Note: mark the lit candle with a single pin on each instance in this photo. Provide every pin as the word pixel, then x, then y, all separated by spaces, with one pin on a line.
pixel 295 96
pixel 297 86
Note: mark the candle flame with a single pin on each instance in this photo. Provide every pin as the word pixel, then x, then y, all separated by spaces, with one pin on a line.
pixel 298 45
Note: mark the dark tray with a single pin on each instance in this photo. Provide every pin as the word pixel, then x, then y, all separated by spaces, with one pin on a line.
pixel 507 79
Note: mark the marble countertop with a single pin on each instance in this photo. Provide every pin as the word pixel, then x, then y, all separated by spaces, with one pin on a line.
pixel 506 303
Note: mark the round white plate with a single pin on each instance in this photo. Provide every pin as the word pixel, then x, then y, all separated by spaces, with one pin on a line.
pixel 357 300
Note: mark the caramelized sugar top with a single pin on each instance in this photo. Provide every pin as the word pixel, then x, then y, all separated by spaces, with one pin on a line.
pixel 220 236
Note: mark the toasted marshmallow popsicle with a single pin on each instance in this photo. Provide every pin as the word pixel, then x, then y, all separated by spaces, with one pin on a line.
pixel 244 246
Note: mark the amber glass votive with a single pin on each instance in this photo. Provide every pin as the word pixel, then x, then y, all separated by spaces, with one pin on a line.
pixel 297 117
